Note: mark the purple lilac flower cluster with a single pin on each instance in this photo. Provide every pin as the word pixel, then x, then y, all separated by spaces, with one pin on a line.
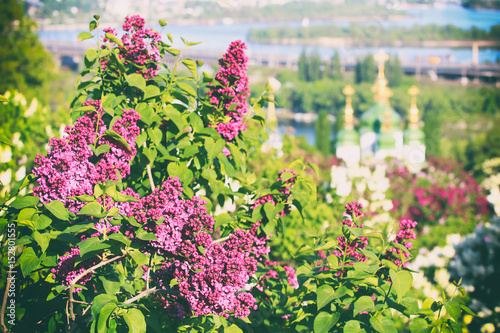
pixel 291 276
pixel 67 271
pixel 350 249
pixel 140 46
pixel 210 275
pixel 405 232
pixel 67 170
pixel 231 90
pixel 285 190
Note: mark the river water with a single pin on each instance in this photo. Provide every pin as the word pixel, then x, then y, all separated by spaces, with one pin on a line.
pixel 217 37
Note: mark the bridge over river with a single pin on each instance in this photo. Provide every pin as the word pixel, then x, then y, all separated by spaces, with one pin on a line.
pixel 484 72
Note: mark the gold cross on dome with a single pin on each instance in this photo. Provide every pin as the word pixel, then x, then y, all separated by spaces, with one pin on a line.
pixel 413 113
pixel 348 91
pixel 381 58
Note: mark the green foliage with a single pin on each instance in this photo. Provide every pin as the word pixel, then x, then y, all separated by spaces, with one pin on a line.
pixel 323 133
pixel 28 125
pixel 26 66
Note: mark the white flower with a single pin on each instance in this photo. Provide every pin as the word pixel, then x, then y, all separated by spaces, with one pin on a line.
pixel 344 189
pixel 21 173
pixel 387 205
pixel 61 130
pixel 6 177
pixel 5 154
pixel 360 186
pixel 16 140
pixel 377 196
pixel 30 111
pixel 49 131
pixel 19 99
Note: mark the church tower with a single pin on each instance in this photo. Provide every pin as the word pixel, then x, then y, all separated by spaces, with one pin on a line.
pixel 348 138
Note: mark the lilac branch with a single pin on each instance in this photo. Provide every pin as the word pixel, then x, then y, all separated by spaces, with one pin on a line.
pixel 71 286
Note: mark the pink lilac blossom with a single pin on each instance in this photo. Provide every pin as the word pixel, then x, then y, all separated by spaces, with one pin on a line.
pixel 349 251
pixel 140 47
pixel 231 90
pixel 67 170
pixel 291 276
pixel 285 191
pixel 210 275
pixel 405 232
pixel 67 271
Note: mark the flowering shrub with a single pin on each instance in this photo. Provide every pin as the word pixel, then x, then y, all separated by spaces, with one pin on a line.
pixel 441 196
pixel 122 212
pixel 122 230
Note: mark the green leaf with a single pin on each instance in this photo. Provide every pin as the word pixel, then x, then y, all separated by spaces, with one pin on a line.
pixel 93 25
pixel 114 39
pixel 135 321
pixel 176 118
pixel 453 309
pixel 19 185
pixel 92 244
pixel 172 51
pixel 42 239
pixel 418 325
pixel 324 321
pixel 139 257
pixel 80 227
pixel 385 325
pixel 191 65
pixel 102 321
pixel 117 137
pixel 325 294
pixel 222 219
pixel 187 88
pixel 120 238
pixel 162 23
pixel 144 235
pixel 364 303
pixel 4 99
pixel 401 283
pixel 136 80
pixel 151 91
pixel 215 149
pixel 90 57
pixel 91 209
pixel 28 261
pixel 352 326
pixel 84 35
pixel 155 134
pixel 42 222
pixel 56 291
pixel 23 202
pixel 233 329
pixel 102 149
pixel 96 17
pixel 58 210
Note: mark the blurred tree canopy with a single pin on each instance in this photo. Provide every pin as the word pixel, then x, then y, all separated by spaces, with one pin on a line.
pixel 24 63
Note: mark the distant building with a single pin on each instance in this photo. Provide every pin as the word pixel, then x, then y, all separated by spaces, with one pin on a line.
pixel 381 133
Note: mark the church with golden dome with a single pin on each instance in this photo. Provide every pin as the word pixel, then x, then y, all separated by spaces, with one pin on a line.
pixel 380 132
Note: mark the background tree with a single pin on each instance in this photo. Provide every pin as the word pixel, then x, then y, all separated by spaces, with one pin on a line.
pixel 303 67
pixel 394 72
pixel 323 133
pixel 314 73
pixel 337 70
pixel 24 63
